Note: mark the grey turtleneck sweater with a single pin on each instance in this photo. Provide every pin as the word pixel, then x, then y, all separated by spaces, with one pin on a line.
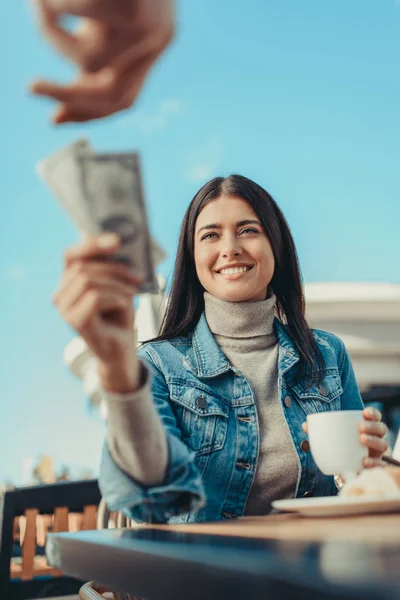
pixel 245 333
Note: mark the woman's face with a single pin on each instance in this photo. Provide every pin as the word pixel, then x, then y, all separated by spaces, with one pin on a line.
pixel 233 256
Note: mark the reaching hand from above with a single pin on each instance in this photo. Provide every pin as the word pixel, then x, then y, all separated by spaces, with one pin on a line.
pixel 114 47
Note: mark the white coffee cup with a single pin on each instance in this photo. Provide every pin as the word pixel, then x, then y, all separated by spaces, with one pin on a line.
pixel 335 442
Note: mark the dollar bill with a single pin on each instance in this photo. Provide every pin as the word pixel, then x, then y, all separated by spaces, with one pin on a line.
pixel 112 191
pixel 61 172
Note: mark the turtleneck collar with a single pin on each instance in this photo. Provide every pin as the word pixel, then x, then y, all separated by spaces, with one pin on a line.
pixel 240 319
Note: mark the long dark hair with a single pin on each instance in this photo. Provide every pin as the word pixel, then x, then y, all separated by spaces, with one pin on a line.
pixel 186 302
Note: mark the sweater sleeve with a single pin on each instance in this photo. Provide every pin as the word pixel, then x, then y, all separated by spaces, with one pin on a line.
pixel 135 434
pixel 147 471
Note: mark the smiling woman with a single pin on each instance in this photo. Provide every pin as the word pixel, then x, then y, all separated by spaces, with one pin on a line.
pixel 234 223
pixel 233 256
pixel 205 421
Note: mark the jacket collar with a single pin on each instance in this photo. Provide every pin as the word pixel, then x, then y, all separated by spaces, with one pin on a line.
pixel 288 355
pixel 211 361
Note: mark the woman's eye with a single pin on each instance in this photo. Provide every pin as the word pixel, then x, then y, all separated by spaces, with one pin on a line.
pixel 209 236
pixel 249 230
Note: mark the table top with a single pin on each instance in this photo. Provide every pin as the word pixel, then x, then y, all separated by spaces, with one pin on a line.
pixel 279 556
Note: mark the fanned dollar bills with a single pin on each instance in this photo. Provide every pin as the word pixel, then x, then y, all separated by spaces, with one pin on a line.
pixel 104 193
pixel 61 172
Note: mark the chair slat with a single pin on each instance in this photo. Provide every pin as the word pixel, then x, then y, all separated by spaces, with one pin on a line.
pixel 29 544
pixel 22 526
pixel 89 517
pixel 61 521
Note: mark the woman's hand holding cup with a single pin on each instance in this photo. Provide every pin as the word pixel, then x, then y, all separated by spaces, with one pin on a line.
pixel 346 441
pixel 95 297
pixel 372 432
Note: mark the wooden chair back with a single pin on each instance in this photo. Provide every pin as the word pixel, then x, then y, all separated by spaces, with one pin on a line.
pixel 26 516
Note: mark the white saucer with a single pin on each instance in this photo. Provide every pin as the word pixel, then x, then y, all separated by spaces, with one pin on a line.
pixel 333 506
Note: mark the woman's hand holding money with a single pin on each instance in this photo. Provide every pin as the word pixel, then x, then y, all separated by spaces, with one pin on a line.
pixel 95 297
pixel 114 47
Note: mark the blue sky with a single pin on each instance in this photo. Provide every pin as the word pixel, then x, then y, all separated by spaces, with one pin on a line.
pixel 303 97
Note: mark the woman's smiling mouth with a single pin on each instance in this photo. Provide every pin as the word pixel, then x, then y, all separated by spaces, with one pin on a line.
pixel 234 271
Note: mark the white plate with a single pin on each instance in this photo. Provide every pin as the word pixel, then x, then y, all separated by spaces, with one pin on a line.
pixel 332 506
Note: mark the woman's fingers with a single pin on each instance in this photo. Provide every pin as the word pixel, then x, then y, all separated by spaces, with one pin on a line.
pixel 370 462
pixel 372 432
pixel 376 445
pixel 96 246
pixel 93 285
pixel 90 305
pixel 103 248
pixel 372 414
pixel 89 274
pixel 73 294
pixel 374 428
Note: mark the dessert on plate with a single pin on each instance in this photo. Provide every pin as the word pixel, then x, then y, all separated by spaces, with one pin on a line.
pixel 373 482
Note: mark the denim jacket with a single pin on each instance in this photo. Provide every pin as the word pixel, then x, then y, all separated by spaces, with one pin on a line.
pixel 208 409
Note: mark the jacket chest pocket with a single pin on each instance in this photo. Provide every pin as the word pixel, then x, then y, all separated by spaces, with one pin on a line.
pixel 321 397
pixel 201 417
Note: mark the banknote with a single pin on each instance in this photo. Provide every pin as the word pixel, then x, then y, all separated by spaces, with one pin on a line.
pixel 113 197
pixel 61 172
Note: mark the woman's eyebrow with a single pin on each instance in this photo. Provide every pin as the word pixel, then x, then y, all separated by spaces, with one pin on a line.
pixel 247 222
pixel 238 224
pixel 210 226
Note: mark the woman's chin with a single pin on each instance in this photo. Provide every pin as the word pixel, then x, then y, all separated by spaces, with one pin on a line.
pixel 233 295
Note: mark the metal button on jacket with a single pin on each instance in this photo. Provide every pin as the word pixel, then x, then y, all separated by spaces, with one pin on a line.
pixel 288 401
pixel 305 446
pixel 201 402
pixel 322 390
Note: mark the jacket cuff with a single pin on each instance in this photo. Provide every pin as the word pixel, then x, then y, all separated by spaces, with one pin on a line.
pixel 182 491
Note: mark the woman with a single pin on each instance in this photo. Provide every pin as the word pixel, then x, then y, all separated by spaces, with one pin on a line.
pixel 206 421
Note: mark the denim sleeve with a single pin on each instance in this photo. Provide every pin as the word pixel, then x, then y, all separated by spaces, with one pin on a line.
pixel 182 490
pixel 351 397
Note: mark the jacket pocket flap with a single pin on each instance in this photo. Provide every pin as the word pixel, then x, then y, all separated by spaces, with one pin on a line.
pixel 329 388
pixel 198 400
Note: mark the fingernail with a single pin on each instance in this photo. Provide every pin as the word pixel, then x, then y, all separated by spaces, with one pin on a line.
pixel 370 412
pixel 107 240
pixel 368 462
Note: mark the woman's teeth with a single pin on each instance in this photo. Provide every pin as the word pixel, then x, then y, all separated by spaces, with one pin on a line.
pixel 234 270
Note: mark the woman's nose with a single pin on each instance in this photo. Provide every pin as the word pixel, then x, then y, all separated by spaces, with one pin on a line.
pixel 231 248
